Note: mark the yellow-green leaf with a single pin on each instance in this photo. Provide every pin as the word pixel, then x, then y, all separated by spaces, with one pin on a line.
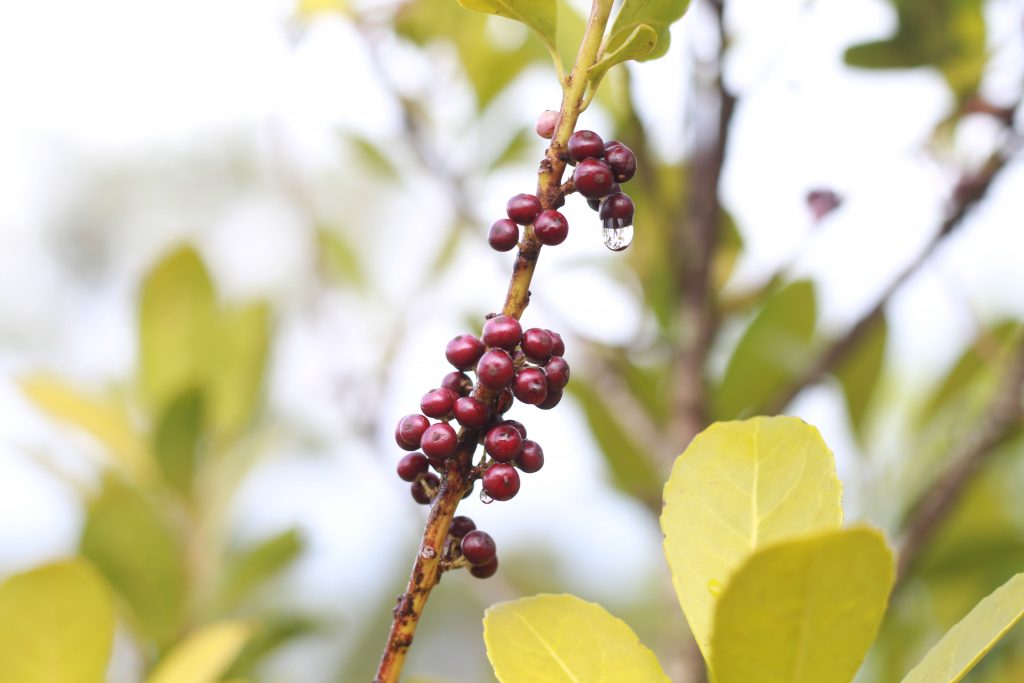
pixel 657 14
pixel 637 45
pixel 737 487
pixel 236 377
pixel 176 440
pixel 204 656
pixel 973 636
pixel 246 569
pixel 56 625
pixel 563 639
pixel 308 9
pixel 804 610
pixel 540 15
pixel 860 372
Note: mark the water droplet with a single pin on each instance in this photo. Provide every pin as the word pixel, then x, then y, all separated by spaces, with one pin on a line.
pixel 616 235
pixel 485 498
pixel 715 587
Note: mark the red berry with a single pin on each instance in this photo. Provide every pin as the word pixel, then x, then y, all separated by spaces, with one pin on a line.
pixel 461 526
pixel 439 441
pixel 438 402
pixel 622 161
pixel 459 382
pixel 531 458
pixel 425 489
pixel 554 396
pixel 485 571
pixel 593 178
pixel 557 372
pixel 617 206
pixel 464 351
pixel 495 369
pixel 410 430
pixel 584 144
pixel 478 547
pixel 502 331
pixel 503 442
pixel 550 227
pixel 523 208
pixel 611 143
pixel 504 400
pixel 503 235
pixel 471 413
pixel 559 348
pixel 530 386
pixel 501 481
pixel 518 425
pixel 411 466
pixel 546 123
pixel 537 344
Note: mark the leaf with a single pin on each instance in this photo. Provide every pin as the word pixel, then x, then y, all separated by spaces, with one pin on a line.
pixel 236 376
pixel 56 625
pixel 339 257
pixel 255 565
pixel 539 15
pixel 308 9
pixel 135 548
pixel 269 635
pixel 637 45
pixel 176 327
pixel 657 14
pixel 965 644
pixel 176 440
pixel 204 656
pixel 770 354
pixel 804 610
pixel 372 157
pixel 859 373
pixel 561 638
pixel 737 487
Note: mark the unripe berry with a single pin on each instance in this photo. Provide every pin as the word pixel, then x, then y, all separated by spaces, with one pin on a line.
pixel 478 547
pixel 554 396
pixel 520 427
pixel 622 161
pixel 461 525
pixel 495 369
pixel 550 227
pixel 593 178
pixel 523 208
pixel 546 123
pixel 410 430
pixel 617 206
pixel 501 481
pixel 471 413
pixel 502 331
pixel 464 351
pixel 557 372
pixel 537 344
pixel 531 458
pixel 559 348
pixel 530 386
pixel 503 443
pixel 424 489
pixel 438 402
pixel 503 235
pixel 485 571
pixel 411 466
pixel 584 144
pixel 439 441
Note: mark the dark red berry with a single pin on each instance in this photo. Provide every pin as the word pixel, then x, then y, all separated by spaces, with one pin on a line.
pixel 495 369
pixel 501 481
pixel 424 489
pixel 531 458
pixel 464 351
pixel 504 400
pixel 546 123
pixel 594 204
pixel 622 161
pixel 584 144
pixel 438 402
pixel 461 525
pixel 557 372
pixel 410 430
pixel 411 466
pixel 530 386
pixel 554 396
pixel 523 208
pixel 502 331
pixel 520 427
pixel 471 413
pixel 611 143
pixel 439 464
pixel 593 178
pixel 537 344
pixel 617 206
pixel 503 442
pixel 485 571
pixel 503 235
pixel 459 382
pixel 559 348
pixel 478 547
pixel 550 227
pixel 439 441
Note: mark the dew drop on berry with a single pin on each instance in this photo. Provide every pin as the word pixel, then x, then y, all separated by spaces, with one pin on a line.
pixel 616 235
pixel 485 498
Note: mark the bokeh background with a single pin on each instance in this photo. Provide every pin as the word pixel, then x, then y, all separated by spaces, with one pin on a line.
pixel 235 238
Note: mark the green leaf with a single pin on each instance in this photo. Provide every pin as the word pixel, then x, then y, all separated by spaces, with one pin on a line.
pixel 176 440
pixel 965 644
pixel 737 487
pixel 56 625
pixel 859 373
pixel 339 257
pixel 177 327
pixel 562 639
pixel 804 610
pixel 268 635
pixel 236 377
pixel 248 569
pixel 659 15
pixel 539 15
pixel 770 354
pixel 135 548
pixel 204 656
pixel 637 45
pixel 372 157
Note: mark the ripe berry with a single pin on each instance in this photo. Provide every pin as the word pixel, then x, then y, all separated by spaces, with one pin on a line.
pixel 503 443
pixel 594 204
pixel 464 351
pixel 411 466
pixel 495 369
pixel 502 331
pixel 530 386
pixel 424 489
pixel 622 161
pixel 518 425
pixel 557 372
pixel 438 402
pixel 531 458
pixel 523 208
pixel 617 206
pixel 554 396
pixel 504 400
pixel 537 344
pixel 478 547
pixel 550 227
pixel 559 348
pixel 593 178
pixel 485 571
pixel 439 441
pixel 471 413
pixel 461 525
pixel 584 144
pixel 501 481
pixel 459 382
pixel 410 430
pixel 611 143
pixel 503 235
